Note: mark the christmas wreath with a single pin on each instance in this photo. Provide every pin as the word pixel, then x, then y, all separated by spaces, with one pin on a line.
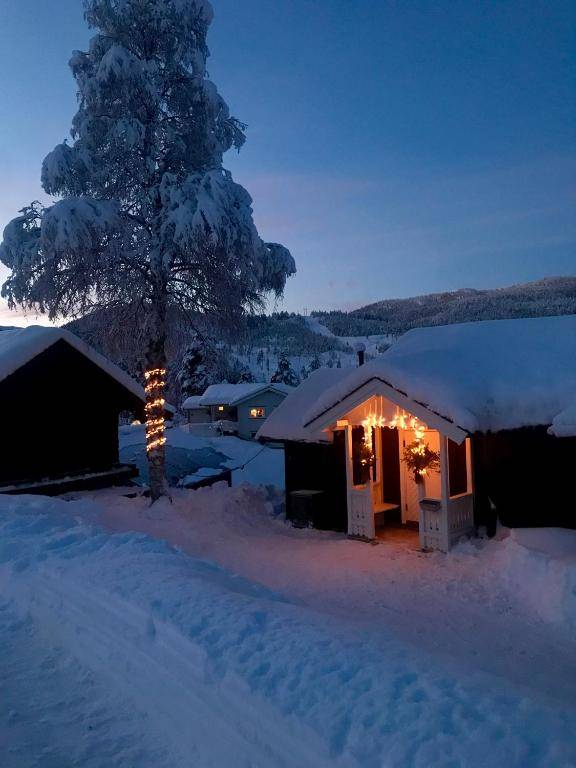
pixel 421 459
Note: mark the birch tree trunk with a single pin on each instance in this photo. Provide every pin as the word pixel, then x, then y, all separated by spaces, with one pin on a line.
pixel 155 400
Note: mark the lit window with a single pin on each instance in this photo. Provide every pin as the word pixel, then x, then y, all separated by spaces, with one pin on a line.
pixel 220 408
pixel 257 413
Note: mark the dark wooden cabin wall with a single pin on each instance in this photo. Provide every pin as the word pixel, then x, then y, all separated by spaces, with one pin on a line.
pixel 319 467
pixel 60 416
pixel 457 468
pixel 526 473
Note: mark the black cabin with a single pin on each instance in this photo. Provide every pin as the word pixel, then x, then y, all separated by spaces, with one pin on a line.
pixel 62 403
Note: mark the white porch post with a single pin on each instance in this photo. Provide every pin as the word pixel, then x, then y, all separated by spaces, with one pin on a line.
pixel 359 498
pixel 434 528
pixel 445 488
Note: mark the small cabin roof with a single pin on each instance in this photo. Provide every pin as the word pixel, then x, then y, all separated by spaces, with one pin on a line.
pixel 18 346
pixel 483 376
pixel 234 394
pixel 285 422
pixel 192 402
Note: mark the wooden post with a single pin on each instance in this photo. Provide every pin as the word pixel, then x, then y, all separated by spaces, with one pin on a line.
pixel 445 491
pixel 359 499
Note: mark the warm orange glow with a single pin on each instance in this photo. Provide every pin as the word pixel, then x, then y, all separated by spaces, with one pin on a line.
pixel 401 420
pixel 154 409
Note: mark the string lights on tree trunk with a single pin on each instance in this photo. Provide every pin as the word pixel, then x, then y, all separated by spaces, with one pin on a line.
pixel 155 384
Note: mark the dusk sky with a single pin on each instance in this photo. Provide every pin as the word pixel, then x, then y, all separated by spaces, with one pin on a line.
pixel 396 148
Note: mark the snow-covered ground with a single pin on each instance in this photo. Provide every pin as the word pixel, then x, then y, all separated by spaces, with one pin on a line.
pixel 187 453
pixel 250 643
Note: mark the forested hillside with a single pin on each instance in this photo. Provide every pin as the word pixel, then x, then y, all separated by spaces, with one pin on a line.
pixel 551 296
pixel 253 350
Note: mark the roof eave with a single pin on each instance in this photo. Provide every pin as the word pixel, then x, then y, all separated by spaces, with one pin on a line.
pixel 377 386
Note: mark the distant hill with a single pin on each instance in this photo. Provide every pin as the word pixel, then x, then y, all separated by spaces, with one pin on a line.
pixel 325 338
pixel 551 296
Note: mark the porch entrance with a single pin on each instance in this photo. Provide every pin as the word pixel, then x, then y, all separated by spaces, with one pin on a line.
pixel 386 494
pixel 394 492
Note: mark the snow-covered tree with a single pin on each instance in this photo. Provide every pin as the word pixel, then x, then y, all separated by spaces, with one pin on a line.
pixel 315 363
pixel 240 373
pixel 198 367
pixel 147 216
pixel 284 373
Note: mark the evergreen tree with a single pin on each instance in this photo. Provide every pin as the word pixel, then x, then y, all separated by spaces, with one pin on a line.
pixel 146 214
pixel 239 373
pixel 199 367
pixel 315 363
pixel 284 373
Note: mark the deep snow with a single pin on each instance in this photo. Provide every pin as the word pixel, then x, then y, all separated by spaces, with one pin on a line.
pixel 256 644
pixel 187 453
pixel 469 372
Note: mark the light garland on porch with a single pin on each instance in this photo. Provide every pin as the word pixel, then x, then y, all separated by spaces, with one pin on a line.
pixel 401 420
pixel 154 409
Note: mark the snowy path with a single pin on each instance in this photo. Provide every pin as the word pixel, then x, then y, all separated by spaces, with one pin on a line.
pixel 456 608
pixel 54 712
pixel 139 655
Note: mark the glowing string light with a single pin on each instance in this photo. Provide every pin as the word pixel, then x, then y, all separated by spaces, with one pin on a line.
pixel 154 408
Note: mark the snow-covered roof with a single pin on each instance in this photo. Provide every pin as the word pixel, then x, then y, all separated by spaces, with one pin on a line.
pixel 286 423
pixel 233 394
pixel 19 346
pixel 491 375
pixel 564 424
pixel 192 402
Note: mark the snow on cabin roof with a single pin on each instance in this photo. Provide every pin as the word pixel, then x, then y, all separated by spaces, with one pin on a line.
pixel 192 402
pixel 232 394
pixel 490 375
pixel 286 423
pixel 19 346
pixel 564 424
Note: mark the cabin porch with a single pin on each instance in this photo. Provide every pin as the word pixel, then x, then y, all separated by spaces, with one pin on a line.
pixel 386 495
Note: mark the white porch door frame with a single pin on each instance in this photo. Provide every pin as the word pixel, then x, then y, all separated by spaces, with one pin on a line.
pixel 409 489
pixel 359 499
pixel 441 528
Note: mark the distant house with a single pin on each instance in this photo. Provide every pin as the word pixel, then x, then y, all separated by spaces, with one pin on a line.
pixel 243 408
pixel 451 428
pixel 196 413
pixel 61 406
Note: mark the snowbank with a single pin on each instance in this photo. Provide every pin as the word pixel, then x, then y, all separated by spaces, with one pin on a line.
pixel 188 452
pixel 538 565
pixel 216 670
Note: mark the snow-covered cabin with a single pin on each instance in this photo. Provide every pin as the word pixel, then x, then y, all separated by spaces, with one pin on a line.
pixel 243 407
pixel 451 428
pixel 61 405
pixel 196 413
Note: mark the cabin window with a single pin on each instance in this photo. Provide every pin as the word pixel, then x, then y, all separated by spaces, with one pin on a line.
pixel 457 468
pixel 257 413
pixel 221 408
pixel 360 467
